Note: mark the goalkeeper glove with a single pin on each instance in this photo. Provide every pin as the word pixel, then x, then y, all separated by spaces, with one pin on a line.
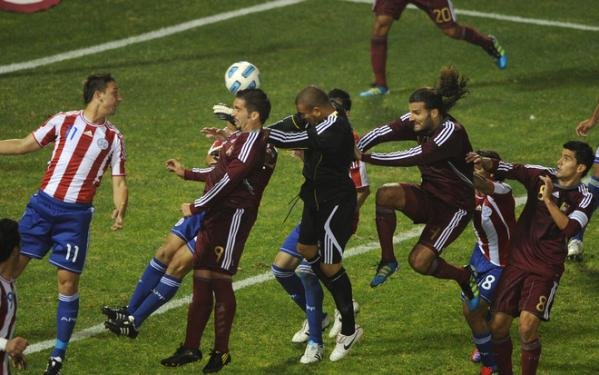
pixel 222 112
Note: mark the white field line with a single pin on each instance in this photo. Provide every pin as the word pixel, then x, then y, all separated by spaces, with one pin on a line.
pixel 245 283
pixel 516 19
pixel 160 33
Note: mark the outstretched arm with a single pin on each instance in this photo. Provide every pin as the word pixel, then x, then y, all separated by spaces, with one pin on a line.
pixel 19 146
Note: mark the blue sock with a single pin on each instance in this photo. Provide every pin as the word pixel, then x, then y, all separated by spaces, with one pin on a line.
pixel 314 298
pixel 161 294
pixel 149 280
pixel 66 317
pixel 483 343
pixel 292 285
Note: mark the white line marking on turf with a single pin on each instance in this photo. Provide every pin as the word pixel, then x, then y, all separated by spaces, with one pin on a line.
pixel 504 17
pixel 160 33
pixel 245 283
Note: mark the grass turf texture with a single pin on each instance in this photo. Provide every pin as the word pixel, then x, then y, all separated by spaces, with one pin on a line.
pixel 412 324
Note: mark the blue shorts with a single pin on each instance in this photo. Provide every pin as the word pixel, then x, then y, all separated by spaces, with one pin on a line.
pixel 49 223
pixel 488 274
pixel 290 244
pixel 187 228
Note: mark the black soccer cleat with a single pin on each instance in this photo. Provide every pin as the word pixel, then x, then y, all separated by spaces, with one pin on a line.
pixel 182 357
pixel 115 313
pixel 216 362
pixel 53 367
pixel 122 327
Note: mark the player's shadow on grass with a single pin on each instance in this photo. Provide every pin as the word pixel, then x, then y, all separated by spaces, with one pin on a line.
pixel 543 80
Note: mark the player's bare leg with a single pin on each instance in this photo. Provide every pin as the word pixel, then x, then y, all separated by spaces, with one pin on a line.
pixel 378 55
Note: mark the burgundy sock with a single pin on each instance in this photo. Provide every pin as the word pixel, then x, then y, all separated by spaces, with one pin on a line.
pixel 443 270
pixel 502 352
pixel 529 357
pixel 473 36
pixel 198 312
pixel 224 312
pixel 386 222
pixel 378 59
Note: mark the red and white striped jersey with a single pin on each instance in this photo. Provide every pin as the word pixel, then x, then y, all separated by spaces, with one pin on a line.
pixel 494 222
pixel 82 152
pixel 357 169
pixel 8 314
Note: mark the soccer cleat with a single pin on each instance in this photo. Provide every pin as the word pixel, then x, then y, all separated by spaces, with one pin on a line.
pixel 115 313
pixel 182 357
pixel 336 328
pixel 304 333
pixel 475 356
pixel 345 344
pixel 383 272
pixel 499 54
pixel 216 362
pixel 375 91
pixel 54 366
pixel 488 371
pixel 470 290
pixel 124 327
pixel 575 250
pixel 314 353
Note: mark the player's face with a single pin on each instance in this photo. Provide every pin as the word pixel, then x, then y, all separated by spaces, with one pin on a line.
pixel 307 113
pixel 244 120
pixel 567 165
pixel 421 116
pixel 110 98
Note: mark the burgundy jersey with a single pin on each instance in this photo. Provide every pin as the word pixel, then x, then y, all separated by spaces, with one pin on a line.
pixel 538 245
pixel 239 177
pixel 494 223
pixel 8 314
pixel 440 156
pixel 82 152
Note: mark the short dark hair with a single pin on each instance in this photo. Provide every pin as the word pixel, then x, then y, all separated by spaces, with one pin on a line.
pixel 255 101
pixel 341 98
pixel 312 97
pixel 583 153
pixel 489 154
pixel 93 83
pixel 451 87
pixel 9 238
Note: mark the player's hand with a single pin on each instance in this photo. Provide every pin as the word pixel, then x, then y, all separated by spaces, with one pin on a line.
pixel 357 153
pixel 18 362
pixel 583 128
pixel 118 215
pixel 223 112
pixel 474 158
pixel 175 166
pixel 220 134
pixel 186 209
pixel 546 189
pixel 16 346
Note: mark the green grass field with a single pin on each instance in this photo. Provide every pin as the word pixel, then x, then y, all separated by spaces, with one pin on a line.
pixel 413 324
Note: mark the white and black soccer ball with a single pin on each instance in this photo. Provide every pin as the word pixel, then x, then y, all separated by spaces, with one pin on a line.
pixel 242 75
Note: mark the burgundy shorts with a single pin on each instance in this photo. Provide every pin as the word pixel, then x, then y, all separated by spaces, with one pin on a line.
pixel 222 238
pixel 439 11
pixel 443 223
pixel 520 290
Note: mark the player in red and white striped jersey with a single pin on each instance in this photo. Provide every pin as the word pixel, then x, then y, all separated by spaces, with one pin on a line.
pixel 58 216
pixel 9 257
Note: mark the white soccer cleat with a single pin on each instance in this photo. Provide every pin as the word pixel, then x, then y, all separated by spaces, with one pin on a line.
pixel 314 353
pixel 304 333
pixel 575 249
pixel 336 328
pixel 346 343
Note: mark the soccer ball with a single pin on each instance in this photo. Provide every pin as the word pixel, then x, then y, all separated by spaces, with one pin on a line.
pixel 242 75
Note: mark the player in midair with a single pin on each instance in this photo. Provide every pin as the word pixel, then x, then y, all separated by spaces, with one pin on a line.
pixel 58 216
pixel 441 12
pixel 444 199
pixel 557 206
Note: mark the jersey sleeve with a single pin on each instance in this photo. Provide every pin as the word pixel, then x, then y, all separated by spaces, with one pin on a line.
pixel 446 144
pixel 198 174
pixel 246 151
pixel 119 156
pixel 527 175
pixel 583 209
pixel 49 130
pixel 398 130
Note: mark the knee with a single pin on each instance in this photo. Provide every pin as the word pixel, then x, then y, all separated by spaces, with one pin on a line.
pixel 498 329
pixel 419 262
pixel 454 32
pixel 388 195
pixel 180 267
pixel 68 287
pixel 164 254
pixel 307 251
pixel 381 26
pixel 527 331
